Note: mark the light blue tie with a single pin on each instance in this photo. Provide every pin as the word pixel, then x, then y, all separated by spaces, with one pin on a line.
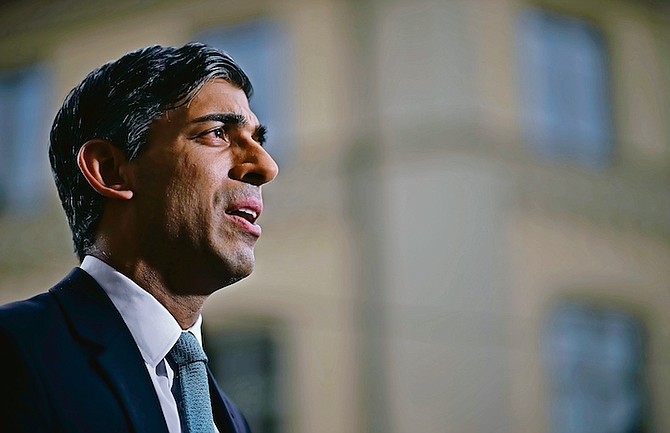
pixel 191 386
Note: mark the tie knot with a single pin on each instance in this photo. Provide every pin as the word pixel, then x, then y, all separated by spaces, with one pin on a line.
pixel 186 350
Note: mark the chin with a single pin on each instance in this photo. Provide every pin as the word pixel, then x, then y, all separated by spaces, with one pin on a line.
pixel 234 269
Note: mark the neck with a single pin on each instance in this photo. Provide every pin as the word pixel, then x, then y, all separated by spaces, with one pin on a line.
pixel 184 307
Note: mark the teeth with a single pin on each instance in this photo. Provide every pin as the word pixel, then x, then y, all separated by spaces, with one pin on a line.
pixel 249 212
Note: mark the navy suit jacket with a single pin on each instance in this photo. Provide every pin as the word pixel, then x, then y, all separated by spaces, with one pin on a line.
pixel 68 363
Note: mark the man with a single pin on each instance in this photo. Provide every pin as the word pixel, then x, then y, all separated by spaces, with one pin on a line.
pixel 159 164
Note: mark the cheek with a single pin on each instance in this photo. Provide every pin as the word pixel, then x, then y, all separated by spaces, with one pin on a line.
pixel 209 175
pixel 202 189
pixel 197 188
pixel 178 198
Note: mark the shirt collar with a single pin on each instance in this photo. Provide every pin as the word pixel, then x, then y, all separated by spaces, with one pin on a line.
pixel 152 326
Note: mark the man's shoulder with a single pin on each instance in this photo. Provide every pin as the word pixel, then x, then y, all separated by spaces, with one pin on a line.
pixel 36 310
pixel 32 308
pixel 26 325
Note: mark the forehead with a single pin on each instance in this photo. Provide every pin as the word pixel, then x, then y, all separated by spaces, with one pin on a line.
pixel 215 96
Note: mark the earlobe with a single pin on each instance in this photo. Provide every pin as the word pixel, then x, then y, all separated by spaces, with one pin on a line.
pixel 102 164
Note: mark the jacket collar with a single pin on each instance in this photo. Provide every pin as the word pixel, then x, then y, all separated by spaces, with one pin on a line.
pixel 95 321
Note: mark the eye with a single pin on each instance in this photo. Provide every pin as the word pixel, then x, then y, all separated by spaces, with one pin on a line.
pixel 215 136
pixel 219 133
pixel 260 135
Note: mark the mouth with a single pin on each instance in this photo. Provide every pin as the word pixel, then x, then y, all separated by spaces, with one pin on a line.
pixel 245 214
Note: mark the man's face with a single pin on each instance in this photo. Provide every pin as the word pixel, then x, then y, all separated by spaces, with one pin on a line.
pixel 198 190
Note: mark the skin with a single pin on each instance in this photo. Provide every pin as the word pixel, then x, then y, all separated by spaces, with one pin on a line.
pixel 169 223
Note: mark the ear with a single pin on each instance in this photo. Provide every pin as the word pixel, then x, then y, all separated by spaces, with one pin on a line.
pixel 103 166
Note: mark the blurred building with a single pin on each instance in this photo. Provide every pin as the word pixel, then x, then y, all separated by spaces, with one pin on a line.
pixel 471 228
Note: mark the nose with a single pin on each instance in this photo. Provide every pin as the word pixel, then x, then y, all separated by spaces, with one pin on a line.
pixel 254 165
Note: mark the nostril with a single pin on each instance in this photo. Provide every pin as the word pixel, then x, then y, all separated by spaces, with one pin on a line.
pixel 254 178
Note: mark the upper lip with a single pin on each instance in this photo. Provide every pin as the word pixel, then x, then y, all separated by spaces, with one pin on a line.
pixel 249 209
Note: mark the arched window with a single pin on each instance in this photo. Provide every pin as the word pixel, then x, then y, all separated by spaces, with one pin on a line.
pixel 245 364
pixel 565 91
pixel 24 138
pixel 594 360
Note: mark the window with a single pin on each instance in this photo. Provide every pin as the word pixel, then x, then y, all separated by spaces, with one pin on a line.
pixel 594 358
pixel 245 366
pixel 260 47
pixel 564 88
pixel 24 138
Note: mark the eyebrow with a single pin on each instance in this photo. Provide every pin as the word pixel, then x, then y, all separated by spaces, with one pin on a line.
pixel 234 119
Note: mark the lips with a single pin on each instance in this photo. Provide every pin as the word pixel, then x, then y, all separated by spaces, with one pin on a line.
pixel 245 213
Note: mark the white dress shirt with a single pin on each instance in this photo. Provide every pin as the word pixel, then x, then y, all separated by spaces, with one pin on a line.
pixel 154 329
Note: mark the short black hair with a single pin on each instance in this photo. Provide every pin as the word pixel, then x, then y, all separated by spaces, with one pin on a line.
pixel 118 102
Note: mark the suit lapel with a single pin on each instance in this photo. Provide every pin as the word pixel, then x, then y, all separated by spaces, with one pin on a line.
pixel 99 325
pixel 224 415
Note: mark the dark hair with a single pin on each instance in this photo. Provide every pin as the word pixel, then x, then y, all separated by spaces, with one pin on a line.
pixel 118 102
